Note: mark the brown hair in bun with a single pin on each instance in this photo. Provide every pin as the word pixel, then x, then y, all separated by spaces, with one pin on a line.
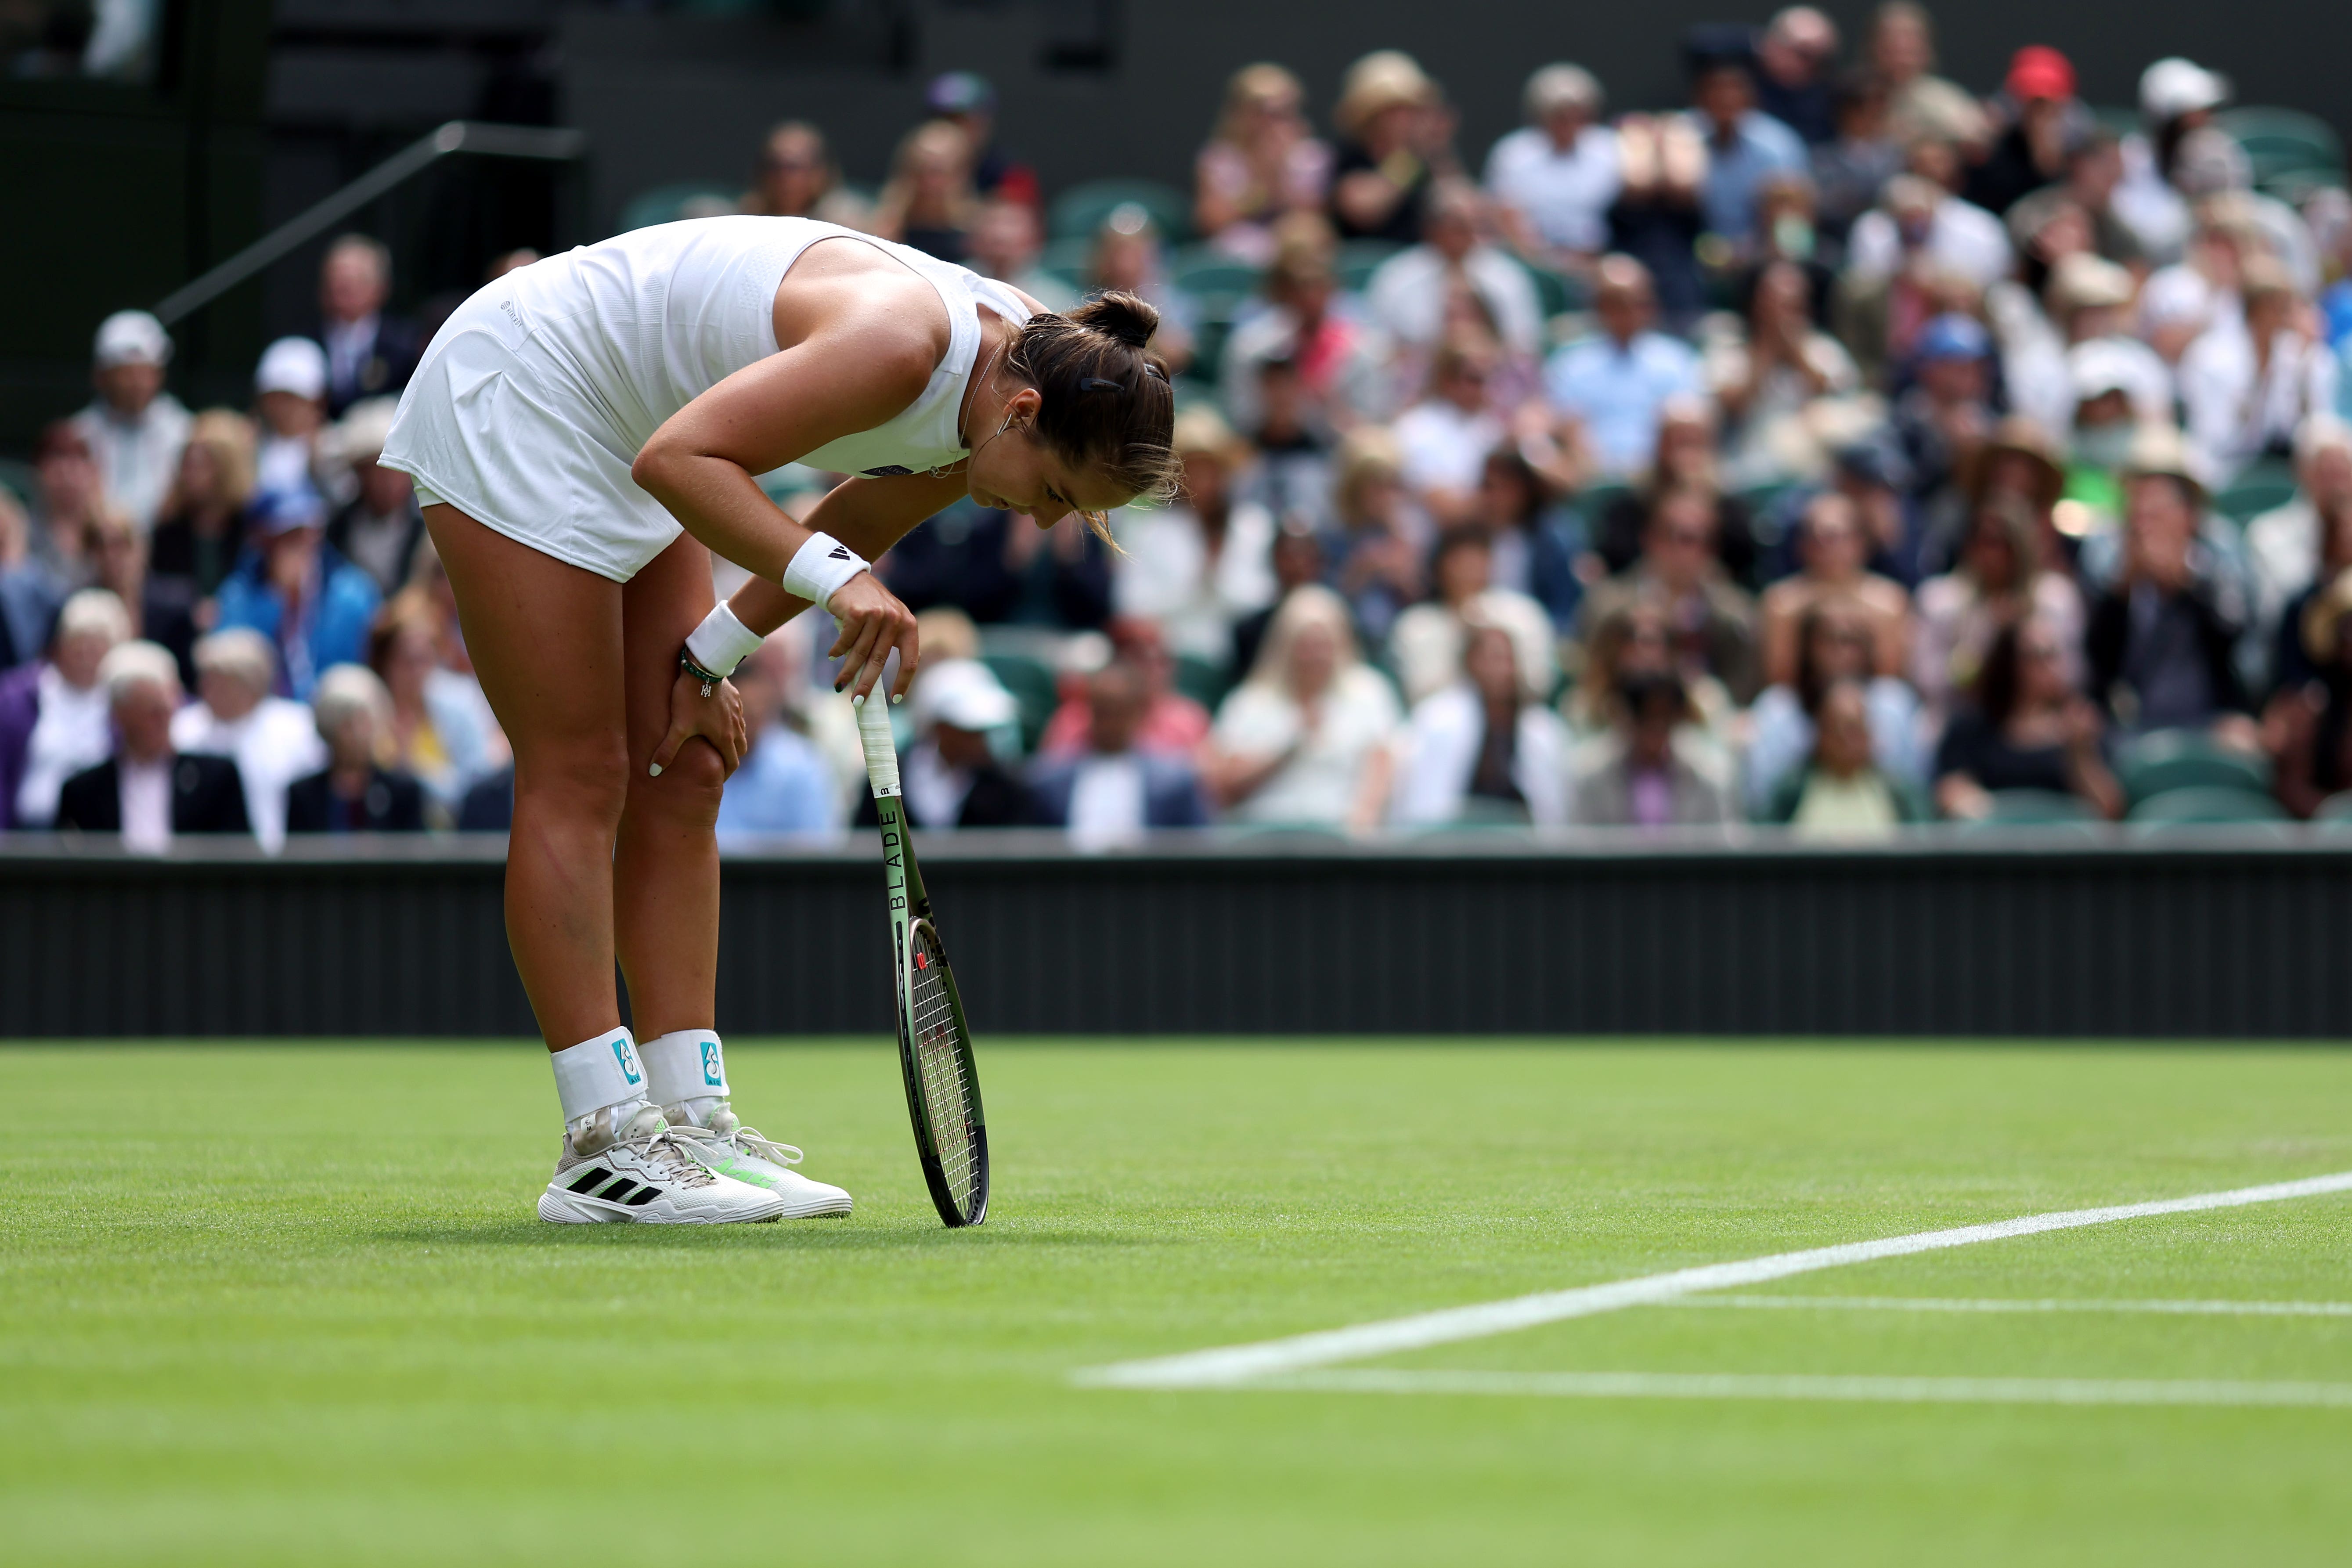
pixel 1107 405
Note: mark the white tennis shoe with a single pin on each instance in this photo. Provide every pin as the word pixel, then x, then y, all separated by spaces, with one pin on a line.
pixel 735 1151
pixel 649 1176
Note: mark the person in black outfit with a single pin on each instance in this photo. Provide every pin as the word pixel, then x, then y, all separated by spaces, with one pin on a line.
pixel 353 793
pixel 2160 640
pixel 1388 115
pixel 370 353
pixel 146 791
pixel 973 558
pixel 2029 730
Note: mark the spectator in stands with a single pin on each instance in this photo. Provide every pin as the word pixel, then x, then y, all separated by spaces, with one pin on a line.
pixel 439 731
pixel 1307 738
pixel 2199 292
pixel 289 389
pixel 2178 98
pixel 785 788
pixel 53 713
pixel 1684 461
pixel 1640 779
pixel 370 353
pixel 25 610
pixel 1386 117
pixel 2160 641
pixel 1555 179
pixel 1842 793
pixel 1658 217
pixel 2291 547
pixel 2090 301
pixel 1834 554
pixel 1712 621
pixel 1261 162
pixel 1795 55
pixel 1851 170
pixel 1485 747
pixel 1744 145
pixel 1338 360
pixel 1426 646
pixel 1918 224
pixel 272 740
pixel 929 201
pixel 1374 557
pixel 146 790
pixel 2029 728
pixel 1770 381
pixel 2014 465
pixel 1201 564
pixel 1127 258
pixel 312 604
pixel 1637 637
pixel 2094 168
pixel 1419 291
pixel 1291 474
pixel 1534 551
pixel 378 530
pixel 2029 151
pixel 951 775
pixel 1169 723
pixel 69 495
pixel 798 178
pixel 1948 411
pixel 2309 726
pixel 995 570
pixel 1920 104
pixel 121 555
pixel 966 101
pixel 2247 390
pixel 1005 244
pixel 1998 579
pixel 1442 441
pixel 1299 559
pixel 355 793
pixel 1834 643
pixel 196 539
pixel 134 428
pixel 1613 382
pixel 1111 790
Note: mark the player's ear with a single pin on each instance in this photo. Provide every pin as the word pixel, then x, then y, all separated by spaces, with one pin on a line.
pixel 1023 407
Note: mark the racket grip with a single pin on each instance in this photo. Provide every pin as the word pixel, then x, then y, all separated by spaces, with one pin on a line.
pixel 881 748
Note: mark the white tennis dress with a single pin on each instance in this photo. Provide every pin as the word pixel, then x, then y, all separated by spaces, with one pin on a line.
pixel 537 395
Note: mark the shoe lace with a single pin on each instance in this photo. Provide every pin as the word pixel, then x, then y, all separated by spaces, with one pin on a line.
pixel 747 1138
pixel 666 1149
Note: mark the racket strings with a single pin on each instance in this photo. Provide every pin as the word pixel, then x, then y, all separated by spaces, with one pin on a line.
pixel 947 1086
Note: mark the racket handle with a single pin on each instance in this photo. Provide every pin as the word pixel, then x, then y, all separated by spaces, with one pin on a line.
pixel 881 748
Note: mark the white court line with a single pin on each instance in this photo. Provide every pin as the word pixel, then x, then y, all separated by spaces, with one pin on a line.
pixel 1857 1389
pixel 2047 1304
pixel 1231 1364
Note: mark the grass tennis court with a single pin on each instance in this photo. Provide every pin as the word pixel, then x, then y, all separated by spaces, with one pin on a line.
pixel 290 1303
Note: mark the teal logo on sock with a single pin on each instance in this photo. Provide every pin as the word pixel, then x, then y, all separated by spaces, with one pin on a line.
pixel 713 1072
pixel 628 1056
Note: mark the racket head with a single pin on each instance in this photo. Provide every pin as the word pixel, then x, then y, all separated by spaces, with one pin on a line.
pixel 942 1085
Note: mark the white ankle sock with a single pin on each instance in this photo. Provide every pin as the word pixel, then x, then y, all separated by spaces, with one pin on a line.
pixel 686 1073
pixel 602 1086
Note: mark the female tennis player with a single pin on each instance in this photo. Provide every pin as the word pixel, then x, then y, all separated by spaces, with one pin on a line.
pixel 565 426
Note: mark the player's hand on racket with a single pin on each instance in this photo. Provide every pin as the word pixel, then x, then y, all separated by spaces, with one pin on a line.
pixel 873 622
pixel 717 719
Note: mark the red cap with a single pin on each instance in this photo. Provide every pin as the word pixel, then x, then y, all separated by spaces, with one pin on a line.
pixel 2039 72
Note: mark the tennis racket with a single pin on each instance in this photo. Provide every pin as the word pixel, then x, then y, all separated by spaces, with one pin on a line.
pixel 934 1042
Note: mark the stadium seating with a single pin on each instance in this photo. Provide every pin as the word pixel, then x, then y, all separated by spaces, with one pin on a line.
pixel 2205 805
pixel 1031 681
pixel 1359 258
pixel 1202 679
pixel 668 203
pixel 2038 808
pixel 2173 760
pixel 2281 143
pixel 1079 211
pixel 2257 489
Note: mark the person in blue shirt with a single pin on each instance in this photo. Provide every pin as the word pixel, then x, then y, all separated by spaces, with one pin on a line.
pixel 313 606
pixel 1613 382
pixel 784 787
pixel 1744 145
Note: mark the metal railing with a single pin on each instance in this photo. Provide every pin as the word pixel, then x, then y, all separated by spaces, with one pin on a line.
pixel 477 137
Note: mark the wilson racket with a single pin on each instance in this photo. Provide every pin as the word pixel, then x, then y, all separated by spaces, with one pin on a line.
pixel 934 1042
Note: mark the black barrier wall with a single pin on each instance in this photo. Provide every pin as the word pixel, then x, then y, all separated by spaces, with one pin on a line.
pixel 2212 940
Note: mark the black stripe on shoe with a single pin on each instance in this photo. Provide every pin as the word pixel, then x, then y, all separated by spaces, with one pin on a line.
pixel 597 1174
pixel 644 1197
pixel 618 1192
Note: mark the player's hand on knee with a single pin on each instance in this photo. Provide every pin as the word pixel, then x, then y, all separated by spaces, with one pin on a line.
pixel 717 719
pixel 873 624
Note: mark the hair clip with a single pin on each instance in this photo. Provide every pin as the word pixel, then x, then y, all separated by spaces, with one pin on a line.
pixel 1097 383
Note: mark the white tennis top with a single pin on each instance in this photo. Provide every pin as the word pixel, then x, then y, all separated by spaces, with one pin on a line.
pixel 538 393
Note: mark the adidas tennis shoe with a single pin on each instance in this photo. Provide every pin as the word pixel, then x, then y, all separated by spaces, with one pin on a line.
pixel 734 1151
pixel 648 1175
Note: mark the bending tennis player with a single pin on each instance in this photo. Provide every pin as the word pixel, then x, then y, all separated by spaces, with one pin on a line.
pixel 566 424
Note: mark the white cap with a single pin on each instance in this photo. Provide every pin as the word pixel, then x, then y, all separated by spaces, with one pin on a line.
pixel 2099 367
pixel 2174 87
pixel 963 692
pixel 131 337
pixel 293 364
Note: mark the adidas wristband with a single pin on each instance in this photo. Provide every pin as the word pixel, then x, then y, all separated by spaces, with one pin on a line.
pixel 821 566
pixel 722 642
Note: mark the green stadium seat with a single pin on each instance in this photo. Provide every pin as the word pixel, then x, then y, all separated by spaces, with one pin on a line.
pixel 1031 680
pixel 2283 142
pixel 2258 488
pixel 1079 211
pixel 2038 808
pixel 1211 276
pixel 1359 258
pixel 1068 259
pixel 1556 292
pixel 668 203
pixel 1202 679
pixel 2172 760
pixel 2205 805
pixel 20 480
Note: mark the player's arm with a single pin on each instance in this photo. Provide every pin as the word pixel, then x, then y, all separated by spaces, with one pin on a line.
pixel 870 515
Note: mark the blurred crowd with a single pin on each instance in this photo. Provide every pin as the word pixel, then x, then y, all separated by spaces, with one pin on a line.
pixel 1848 448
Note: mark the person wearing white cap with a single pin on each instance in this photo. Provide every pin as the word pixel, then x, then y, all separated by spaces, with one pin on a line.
pixel 2177 98
pixel 951 774
pixel 290 392
pixel 135 429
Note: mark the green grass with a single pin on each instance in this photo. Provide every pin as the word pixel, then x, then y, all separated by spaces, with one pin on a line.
pixel 290 1304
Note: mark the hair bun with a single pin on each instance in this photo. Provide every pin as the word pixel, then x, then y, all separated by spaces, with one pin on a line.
pixel 1126 317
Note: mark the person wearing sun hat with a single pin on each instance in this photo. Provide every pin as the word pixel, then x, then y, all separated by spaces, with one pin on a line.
pixel 1383 171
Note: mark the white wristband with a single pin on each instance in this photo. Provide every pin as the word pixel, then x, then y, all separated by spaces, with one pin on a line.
pixel 722 642
pixel 820 567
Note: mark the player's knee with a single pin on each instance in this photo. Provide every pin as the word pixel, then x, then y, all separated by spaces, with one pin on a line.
pixel 690 785
pixel 586 782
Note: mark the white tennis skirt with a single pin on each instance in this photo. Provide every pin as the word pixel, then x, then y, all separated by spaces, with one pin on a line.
pixel 494 427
